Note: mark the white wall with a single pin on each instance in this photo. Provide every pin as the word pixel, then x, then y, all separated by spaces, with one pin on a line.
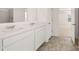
pixel 54 17
pixel 4 15
pixel 19 15
pixel 43 14
pixel 38 15
pixel 31 14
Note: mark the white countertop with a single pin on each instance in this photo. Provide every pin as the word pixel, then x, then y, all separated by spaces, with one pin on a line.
pixel 26 27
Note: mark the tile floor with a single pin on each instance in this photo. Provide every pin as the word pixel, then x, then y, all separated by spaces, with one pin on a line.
pixel 58 44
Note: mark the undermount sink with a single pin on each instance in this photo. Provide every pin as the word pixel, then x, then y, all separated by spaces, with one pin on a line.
pixel 11 30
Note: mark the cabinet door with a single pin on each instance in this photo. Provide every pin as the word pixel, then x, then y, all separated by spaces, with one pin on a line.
pixel 0 45
pixel 31 13
pixel 48 32
pixel 25 43
pixel 40 37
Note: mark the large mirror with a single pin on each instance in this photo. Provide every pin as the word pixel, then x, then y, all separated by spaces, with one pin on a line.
pixel 10 15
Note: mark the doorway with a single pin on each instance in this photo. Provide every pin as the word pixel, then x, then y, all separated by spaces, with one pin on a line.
pixel 63 20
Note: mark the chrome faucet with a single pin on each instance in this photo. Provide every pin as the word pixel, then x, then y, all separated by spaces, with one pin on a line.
pixel 10 27
pixel 32 23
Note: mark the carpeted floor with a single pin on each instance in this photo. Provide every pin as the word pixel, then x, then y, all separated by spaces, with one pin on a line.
pixel 58 44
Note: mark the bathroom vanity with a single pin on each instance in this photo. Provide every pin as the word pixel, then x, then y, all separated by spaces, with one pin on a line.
pixel 28 35
pixel 26 39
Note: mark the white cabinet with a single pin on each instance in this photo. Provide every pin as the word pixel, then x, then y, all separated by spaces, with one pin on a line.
pixel 21 42
pixel 48 30
pixel 0 45
pixel 27 41
pixel 40 36
pixel 32 14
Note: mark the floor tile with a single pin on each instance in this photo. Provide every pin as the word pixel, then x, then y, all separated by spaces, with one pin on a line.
pixel 58 44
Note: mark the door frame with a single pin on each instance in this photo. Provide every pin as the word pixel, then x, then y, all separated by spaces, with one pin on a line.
pixel 74 13
pixel 74 24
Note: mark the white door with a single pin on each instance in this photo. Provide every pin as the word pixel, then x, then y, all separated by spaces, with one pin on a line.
pixel 64 22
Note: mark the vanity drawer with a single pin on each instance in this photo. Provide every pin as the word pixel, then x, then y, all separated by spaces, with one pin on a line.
pixel 12 39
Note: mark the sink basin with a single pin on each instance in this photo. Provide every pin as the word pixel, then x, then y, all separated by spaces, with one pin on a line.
pixel 11 30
